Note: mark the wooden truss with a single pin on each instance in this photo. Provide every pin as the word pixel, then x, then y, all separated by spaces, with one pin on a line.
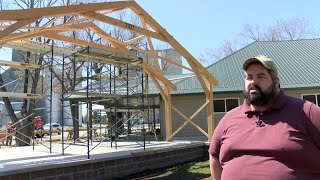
pixel 19 31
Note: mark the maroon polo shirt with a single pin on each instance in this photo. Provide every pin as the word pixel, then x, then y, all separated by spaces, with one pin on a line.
pixel 286 145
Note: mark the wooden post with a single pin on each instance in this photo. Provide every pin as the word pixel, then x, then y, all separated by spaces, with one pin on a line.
pixel 168 120
pixel 210 118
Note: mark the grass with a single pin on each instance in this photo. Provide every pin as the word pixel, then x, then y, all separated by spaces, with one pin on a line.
pixel 198 169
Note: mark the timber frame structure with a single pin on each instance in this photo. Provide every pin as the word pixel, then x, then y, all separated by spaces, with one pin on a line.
pixel 19 31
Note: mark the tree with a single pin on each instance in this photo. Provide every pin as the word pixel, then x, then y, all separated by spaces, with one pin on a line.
pixel 30 82
pixel 291 29
pixel 88 35
pixel 31 77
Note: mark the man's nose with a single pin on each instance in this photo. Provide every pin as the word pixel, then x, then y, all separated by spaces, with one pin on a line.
pixel 254 81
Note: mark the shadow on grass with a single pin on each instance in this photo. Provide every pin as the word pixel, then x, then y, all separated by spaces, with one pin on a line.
pixel 198 169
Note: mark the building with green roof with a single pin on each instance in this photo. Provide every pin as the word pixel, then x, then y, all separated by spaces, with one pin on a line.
pixel 298 63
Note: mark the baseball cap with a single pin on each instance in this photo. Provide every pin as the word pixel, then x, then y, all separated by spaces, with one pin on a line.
pixel 264 60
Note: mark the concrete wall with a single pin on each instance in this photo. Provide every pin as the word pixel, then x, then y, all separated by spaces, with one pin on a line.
pixel 188 104
pixel 115 168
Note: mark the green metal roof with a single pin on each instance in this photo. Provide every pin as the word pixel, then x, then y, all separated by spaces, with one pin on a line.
pixel 298 63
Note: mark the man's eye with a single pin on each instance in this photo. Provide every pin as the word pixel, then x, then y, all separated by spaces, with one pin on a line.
pixel 262 77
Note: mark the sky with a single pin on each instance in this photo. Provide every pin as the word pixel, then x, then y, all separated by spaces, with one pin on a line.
pixel 203 24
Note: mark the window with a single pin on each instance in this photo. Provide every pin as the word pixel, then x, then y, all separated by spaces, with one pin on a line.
pixel 315 98
pixel 225 105
pixel 231 103
pixel 219 105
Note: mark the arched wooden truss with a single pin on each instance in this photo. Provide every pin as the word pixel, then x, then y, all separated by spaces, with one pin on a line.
pixel 19 29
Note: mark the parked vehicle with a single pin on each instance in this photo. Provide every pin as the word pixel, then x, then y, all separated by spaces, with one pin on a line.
pixel 54 126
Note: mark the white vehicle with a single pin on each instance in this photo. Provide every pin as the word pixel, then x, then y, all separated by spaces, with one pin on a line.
pixel 54 126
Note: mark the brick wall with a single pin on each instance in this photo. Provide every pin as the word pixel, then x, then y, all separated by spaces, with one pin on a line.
pixel 137 162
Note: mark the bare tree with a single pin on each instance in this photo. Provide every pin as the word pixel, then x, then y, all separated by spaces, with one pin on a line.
pixel 225 49
pixel 30 83
pixel 291 29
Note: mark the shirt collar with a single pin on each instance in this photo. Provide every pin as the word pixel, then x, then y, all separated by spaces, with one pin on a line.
pixel 277 103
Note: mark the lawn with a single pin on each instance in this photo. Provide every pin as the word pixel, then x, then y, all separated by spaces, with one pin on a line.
pixel 193 170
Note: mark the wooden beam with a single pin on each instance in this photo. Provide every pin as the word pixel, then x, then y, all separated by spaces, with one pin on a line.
pixel 34 46
pixel 20 36
pixel 210 116
pixel 190 119
pixel 153 52
pixel 168 113
pixel 15 27
pixel 53 20
pixel 105 36
pixel 155 81
pixel 57 29
pixel 122 24
pixel 140 11
pixel 175 63
pixel 134 39
pixel 21 95
pixel 201 81
pixel 72 27
pixel 19 65
pixel 15 15
pixel 158 75
pixel 79 42
pixel 24 27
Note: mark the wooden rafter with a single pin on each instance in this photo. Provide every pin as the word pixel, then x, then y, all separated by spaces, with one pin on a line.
pixel 123 25
pixel 14 15
pixel 134 39
pixel 15 27
pixel 148 29
pixel 153 52
pixel 105 36
pixel 158 75
pixel 79 42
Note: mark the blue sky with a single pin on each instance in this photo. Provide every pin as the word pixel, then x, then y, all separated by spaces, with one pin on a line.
pixel 202 24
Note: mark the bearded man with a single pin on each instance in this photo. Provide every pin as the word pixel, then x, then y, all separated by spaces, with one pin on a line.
pixel 270 136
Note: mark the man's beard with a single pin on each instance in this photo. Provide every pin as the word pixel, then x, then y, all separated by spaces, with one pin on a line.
pixel 260 98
